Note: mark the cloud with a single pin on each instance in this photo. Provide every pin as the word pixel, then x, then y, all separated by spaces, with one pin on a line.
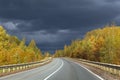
pixel 54 23
pixel 10 25
pixel 43 36
pixel 64 31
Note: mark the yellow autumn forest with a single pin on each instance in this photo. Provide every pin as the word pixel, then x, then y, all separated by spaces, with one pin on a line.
pixel 102 45
pixel 14 51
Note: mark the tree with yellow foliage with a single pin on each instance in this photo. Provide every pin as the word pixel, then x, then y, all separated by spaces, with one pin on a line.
pixel 14 51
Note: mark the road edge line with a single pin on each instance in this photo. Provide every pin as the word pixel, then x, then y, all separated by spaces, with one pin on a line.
pixel 54 71
pixel 90 71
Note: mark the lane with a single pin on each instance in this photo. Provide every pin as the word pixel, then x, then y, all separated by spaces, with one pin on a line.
pixel 58 69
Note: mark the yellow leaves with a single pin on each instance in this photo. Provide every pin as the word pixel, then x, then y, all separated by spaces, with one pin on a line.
pixel 101 39
pixel 2 32
pixel 92 38
pixel 13 51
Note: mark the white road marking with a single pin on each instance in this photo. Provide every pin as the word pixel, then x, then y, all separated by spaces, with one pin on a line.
pixel 54 71
pixel 90 71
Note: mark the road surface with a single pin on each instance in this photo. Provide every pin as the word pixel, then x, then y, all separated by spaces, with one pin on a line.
pixel 58 69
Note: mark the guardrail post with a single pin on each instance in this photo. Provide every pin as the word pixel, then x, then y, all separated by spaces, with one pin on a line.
pixel 107 69
pixel 119 72
pixel 17 68
pixel 3 70
pixel 9 70
pixel 13 68
pixel 110 70
pixel 20 67
pixel 114 71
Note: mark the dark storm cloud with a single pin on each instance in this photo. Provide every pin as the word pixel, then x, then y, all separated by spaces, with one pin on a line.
pixel 56 22
pixel 59 13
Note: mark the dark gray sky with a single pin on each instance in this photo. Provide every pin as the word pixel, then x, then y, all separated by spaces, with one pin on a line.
pixel 53 23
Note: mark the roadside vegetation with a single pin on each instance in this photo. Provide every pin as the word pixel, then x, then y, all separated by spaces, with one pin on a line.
pixel 102 45
pixel 14 51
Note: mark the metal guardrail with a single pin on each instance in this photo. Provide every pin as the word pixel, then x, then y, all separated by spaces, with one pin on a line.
pixel 112 68
pixel 23 66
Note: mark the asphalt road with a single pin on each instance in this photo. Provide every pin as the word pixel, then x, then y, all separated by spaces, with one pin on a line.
pixel 58 69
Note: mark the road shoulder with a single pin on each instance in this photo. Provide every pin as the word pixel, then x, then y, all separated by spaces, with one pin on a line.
pixel 105 75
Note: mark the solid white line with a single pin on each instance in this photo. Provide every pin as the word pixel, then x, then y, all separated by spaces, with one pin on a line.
pixel 54 71
pixel 90 71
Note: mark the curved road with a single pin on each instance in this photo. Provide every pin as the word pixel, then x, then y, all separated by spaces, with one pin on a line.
pixel 58 69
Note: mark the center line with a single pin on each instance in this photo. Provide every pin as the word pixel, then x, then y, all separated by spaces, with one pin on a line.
pixel 54 71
